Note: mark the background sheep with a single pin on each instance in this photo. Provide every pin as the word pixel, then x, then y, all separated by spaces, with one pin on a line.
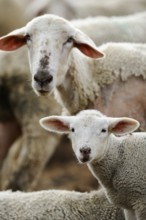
pixel 118 163
pixel 22 164
pixel 83 8
pixel 106 7
pixel 101 29
pixel 57 205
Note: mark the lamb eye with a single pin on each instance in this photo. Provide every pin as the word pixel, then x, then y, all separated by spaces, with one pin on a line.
pixel 69 40
pixel 72 129
pixel 27 37
pixel 103 130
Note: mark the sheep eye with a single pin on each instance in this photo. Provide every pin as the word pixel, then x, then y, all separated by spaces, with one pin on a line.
pixel 72 129
pixel 27 37
pixel 69 40
pixel 103 130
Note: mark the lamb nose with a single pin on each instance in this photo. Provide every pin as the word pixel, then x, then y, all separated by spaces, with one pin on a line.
pixel 85 151
pixel 43 80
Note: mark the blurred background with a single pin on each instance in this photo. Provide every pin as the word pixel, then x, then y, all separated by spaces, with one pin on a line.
pixel 62 170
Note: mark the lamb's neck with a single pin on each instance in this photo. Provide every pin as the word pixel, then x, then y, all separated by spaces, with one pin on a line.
pixel 79 88
pixel 105 169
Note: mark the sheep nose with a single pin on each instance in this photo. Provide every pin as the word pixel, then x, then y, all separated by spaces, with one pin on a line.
pixel 43 80
pixel 85 151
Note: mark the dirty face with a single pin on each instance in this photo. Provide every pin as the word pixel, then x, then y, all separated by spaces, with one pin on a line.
pixel 49 42
pixel 49 39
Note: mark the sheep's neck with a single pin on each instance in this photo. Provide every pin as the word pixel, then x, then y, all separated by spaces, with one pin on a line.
pixel 105 169
pixel 79 89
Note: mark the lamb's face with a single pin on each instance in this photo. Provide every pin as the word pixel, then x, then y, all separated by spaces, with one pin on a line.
pixel 49 42
pixel 89 132
pixel 89 136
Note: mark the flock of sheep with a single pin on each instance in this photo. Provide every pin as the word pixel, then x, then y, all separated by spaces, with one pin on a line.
pixel 89 73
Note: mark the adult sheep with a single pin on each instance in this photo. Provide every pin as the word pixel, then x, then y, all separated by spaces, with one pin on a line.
pixel 78 81
pixel 114 155
pixel 25 154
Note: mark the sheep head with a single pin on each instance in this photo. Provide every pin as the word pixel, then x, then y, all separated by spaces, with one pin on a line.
pixel 49 39
pixel 89 132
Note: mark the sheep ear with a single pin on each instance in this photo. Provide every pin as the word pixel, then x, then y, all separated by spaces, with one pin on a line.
pixel 86 45
pixel 57 124
pixel 13 41
pixel 120 126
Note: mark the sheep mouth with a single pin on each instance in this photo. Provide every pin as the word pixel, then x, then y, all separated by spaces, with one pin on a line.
pixel 84 159
pixel 43 92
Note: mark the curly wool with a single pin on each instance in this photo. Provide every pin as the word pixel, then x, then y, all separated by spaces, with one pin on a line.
pixel 57 205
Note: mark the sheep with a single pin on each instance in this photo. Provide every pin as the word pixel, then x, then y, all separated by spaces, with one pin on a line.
pixel 102 29
pixel 96 93
pixel 114 155
pixel 23 161
pixel 82 9
pixel 87 8
pixel 57 205
pixel 62 8
pixel 77 81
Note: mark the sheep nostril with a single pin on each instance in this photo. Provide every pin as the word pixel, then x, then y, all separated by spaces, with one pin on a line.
pixel 43 80
pixel 50 78
pixel 85 151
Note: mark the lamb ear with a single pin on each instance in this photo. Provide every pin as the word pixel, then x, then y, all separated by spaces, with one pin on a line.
pixel 57 124
pixel 13 40
pixel 120 126
pixel 86 45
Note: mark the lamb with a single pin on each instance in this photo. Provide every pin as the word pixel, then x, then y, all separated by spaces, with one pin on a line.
pixel 78 81
pixel 28 152
pixel 114 155
pixel 57 205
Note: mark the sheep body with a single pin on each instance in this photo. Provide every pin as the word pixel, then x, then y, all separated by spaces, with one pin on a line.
pixel 88 79
pixel 109 83
pixel 82 9
pixel 108 8
pixel 118 163
pixel 102 29
pixel 57 205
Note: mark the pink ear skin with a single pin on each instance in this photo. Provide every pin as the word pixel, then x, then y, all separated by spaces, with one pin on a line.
pixel 88 50
pixel 124 126
pixel 57 124
pixel 120 127
pixel 12 42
